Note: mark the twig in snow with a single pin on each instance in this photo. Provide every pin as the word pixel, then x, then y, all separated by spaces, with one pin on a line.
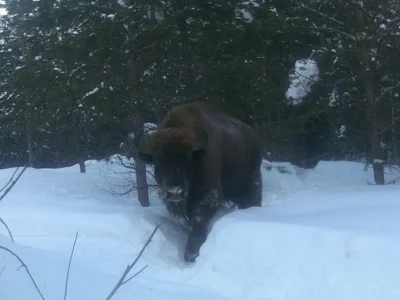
pixel 69 266
pixel 393 181
pixel 136 274
pixel 8 229
pixel 9 181
pixel 12 184
pixel 122 280
pixel 26 268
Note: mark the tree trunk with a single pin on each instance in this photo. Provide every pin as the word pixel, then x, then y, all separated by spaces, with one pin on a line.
pixel 57 151
pixel 140 168
pixel 160 114
pixel 394 142
pixel 29 144
pixel 81 161
pixel 377 156
pixel 159 89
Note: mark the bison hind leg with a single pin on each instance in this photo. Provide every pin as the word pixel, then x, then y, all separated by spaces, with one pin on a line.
pixel 252 192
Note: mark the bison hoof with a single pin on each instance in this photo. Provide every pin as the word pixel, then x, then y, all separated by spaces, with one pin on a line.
pixel 191 257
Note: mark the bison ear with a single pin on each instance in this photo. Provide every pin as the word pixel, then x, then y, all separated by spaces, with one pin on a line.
pixel 142 147
pixel 201 142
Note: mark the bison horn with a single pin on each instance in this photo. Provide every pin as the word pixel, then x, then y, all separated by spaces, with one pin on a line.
pixel 201 139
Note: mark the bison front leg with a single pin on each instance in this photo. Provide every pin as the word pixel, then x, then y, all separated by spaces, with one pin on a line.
pixel 199 219
pixel 196 239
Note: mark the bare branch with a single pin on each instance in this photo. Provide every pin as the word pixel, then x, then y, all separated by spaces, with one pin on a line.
pixel 127 165
pixel 321 15
pixel 6 28
pixel 9 181
pixel 389 127
pixel 12 184
pixel 26 268
pixel 393 181
pixel 298 75
pixel 387 91
pixel 330 29
pixel 2 270
pixel 385 62
pixel 69 266
pixel 8 229
pixel 136 274
pixel 128 185
pixel 129 267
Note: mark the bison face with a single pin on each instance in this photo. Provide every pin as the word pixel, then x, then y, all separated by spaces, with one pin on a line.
pixel 174 154
pixel 172 178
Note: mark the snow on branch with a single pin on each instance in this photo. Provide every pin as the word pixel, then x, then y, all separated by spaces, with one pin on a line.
pixel 122 3
pixel 148 129
pixel 306 73
pixel 393 22
pixel 95 90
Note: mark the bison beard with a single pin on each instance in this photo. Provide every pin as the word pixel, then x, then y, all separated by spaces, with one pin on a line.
pixel 203 157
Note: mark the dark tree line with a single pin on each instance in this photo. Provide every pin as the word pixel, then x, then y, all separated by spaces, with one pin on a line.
pixel 77 77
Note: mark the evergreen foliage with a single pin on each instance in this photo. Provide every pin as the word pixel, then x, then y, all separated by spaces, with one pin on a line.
pixel 76 76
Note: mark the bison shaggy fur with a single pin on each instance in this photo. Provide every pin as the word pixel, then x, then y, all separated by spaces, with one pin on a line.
pixel 203 157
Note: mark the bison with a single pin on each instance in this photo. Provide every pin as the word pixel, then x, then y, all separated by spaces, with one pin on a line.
pixel 203 157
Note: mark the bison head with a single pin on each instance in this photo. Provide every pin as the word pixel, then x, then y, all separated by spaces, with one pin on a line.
pixel 174 153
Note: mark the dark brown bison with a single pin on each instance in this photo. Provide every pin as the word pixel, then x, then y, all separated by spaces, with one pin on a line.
pixel 201 158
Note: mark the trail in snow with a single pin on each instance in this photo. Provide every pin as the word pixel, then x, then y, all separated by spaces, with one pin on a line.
pixel 321 234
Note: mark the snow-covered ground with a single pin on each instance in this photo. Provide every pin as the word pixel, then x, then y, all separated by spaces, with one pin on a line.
pixel 323 233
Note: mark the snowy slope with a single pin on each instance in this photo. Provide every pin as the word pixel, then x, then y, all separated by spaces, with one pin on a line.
pixel 321 234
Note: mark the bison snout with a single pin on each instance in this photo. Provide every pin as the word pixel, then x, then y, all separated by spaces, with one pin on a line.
pixel 175 194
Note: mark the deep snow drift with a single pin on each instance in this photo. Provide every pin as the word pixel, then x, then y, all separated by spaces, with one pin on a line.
pixel 323 233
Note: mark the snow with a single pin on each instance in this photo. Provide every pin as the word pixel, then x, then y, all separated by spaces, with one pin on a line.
pixel 122 3
pixel 305 74
pixel 341 132
pixel 322 233
pixel 245 10
pixel 244 14
pixel 95 90
pixel 333 98
pixel 149 127
pixel 3 11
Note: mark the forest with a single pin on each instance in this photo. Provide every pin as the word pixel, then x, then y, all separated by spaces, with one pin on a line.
pixel 79 77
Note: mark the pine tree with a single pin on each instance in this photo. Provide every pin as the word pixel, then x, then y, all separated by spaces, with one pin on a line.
pixel 360 39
